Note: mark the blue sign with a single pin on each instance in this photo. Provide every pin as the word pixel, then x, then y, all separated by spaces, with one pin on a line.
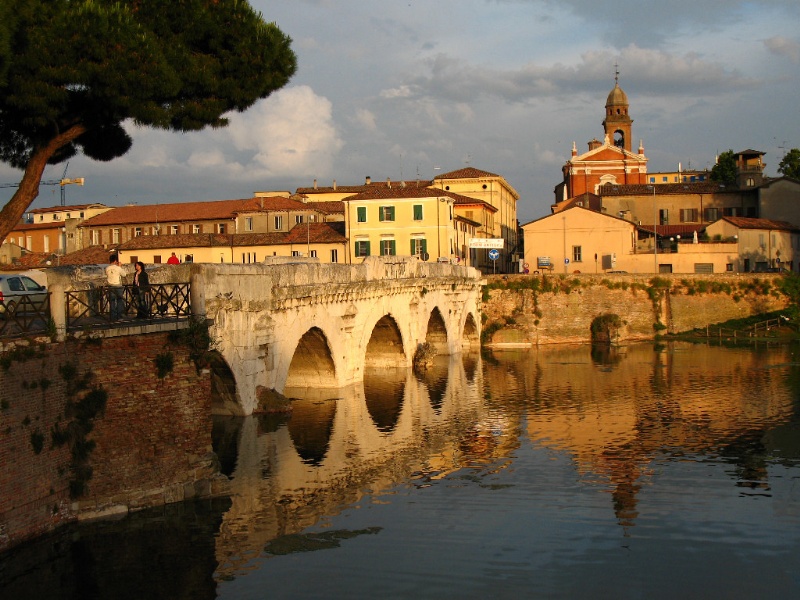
pixel 494 254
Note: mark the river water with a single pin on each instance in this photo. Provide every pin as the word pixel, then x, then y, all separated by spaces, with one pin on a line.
pixel 649 471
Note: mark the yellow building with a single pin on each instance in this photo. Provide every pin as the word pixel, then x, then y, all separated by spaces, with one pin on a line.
pixel 761 244
pixel 53 230
pixel 401 220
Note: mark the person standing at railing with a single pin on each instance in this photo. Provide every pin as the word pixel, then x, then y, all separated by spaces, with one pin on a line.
pixel 116 295
pixel 141 287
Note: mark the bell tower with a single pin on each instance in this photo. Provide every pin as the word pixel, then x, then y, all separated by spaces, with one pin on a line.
pixel 617 123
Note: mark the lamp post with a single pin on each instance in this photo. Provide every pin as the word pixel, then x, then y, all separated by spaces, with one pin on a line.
pixel 655 230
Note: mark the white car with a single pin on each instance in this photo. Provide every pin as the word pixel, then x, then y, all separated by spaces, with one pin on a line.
pixel 20 289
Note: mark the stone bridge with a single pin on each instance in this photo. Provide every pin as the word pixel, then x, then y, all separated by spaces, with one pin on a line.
pixel 310 325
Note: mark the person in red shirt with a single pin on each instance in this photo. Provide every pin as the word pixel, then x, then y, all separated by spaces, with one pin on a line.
pixel 173 260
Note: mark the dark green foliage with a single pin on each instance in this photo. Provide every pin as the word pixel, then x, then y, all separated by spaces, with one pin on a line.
pixel 164 364
pixel 197 339
pixel 73 71
pixel 84 404
pixel 725 170
pixel 790 164
pixel 37 441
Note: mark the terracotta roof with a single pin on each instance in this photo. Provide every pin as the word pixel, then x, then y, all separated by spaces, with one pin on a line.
pixel 37 226
pixel 53 209
pixel 753 223
pixel 399 192
pixel 590 201
pixel 272 203
pixel 328 208
pixel 313 232
pixel 35 259
pixel 466 173
pixel 179 211
pixel 93 255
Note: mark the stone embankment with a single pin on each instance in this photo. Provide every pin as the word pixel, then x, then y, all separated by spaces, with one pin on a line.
pixel 525 310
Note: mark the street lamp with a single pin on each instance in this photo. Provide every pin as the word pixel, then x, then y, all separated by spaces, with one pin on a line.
pixel 655 231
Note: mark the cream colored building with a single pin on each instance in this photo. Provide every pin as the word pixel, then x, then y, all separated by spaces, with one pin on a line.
pixel 53 230
pixel 579 240
pixel 761 244
pixel 323 241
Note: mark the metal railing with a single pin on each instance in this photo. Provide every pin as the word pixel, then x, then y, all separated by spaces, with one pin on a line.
pixel 24 314
pixel 94 306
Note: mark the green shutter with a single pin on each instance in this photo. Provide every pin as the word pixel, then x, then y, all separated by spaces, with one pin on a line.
pixel 368 252
pixel 391 213
pixel 424 246
pixel 380 213
pixel 392 246
pixel 418 212
pixel 413 249
pixel 362 214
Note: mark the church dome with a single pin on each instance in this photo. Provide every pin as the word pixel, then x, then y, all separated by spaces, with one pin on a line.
pixel 616 97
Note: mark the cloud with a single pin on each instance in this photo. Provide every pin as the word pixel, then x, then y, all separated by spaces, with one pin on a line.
pixel 366 119
pixel 781 46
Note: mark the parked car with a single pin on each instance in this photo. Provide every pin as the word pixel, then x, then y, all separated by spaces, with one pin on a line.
pixel 20 289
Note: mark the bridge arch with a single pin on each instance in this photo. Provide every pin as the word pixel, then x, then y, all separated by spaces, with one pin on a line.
pixel 312 363
pixel 470 336
pixel 385 346
pixel 436 332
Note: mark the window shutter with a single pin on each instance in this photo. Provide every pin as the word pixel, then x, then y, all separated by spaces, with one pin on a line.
pixel 362 214
pixel 380 214
pixel 368 252
pixel 424 246
pixel 413 247
pixel 418 212
pixel 391 213
pixel 392 245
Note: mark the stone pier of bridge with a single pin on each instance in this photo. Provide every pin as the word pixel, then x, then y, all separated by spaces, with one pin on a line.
pixel 311 325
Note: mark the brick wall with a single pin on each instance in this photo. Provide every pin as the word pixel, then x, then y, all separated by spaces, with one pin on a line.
pixel 153 441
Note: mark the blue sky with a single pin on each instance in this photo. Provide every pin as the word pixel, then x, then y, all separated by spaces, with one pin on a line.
pixel 397 89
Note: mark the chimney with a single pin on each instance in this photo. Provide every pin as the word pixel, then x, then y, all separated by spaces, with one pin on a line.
pixel 368 180
pixel 334 185
pixel 315 184
pixel 574 150
pixel 388 182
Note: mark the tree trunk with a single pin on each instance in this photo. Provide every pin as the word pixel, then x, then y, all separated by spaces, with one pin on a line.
pixel 28 188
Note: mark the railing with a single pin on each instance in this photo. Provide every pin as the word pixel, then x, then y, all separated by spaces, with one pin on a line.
pixel 759 329
pixel 94 306
pixel 24 314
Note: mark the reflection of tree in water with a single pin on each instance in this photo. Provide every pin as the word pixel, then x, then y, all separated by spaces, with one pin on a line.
pixel 605 355
pixel 384 390
pixel 310 427
pixel 749 455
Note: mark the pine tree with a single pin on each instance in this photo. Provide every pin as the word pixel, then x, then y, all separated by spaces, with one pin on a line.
pixel 73 71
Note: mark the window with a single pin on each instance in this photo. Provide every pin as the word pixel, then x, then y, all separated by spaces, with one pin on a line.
pixel 278 222
pixel 361 211
pixel 67 216
pixel 386 213
pixel 688 215
pixel 419 246
pixel 388 248
pixel 137 231
pixel 173 230
pixel 157 259
pixel 652 180
pixel 362 248
pixel 220 227
pixel 298 219
pixel 154 230
pixel 313 254
pixel 248 223
pixel 197 228
pixel 732 211
pixel 750 182
pixel 710 214
pixel 664 179
pixel 334 255
pixel 761 240
pixel 729 267
pixel 95 237
pixel 577 254
pixel 295 253
pixel 56 217
pixel 418 212
pixel 115 236
pixel 47 243
pixel 663 216
pixel 41 218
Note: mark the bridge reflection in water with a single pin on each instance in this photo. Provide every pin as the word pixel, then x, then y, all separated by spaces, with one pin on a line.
pixel 644 471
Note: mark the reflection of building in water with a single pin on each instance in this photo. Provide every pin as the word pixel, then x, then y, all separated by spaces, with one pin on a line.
pixel 330 452
pixel 616 416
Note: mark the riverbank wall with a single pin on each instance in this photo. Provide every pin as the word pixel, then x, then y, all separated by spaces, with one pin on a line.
pixel 526 310
pixel 96 427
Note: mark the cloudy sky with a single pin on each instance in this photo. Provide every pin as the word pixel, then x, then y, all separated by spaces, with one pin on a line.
pixel 414 88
